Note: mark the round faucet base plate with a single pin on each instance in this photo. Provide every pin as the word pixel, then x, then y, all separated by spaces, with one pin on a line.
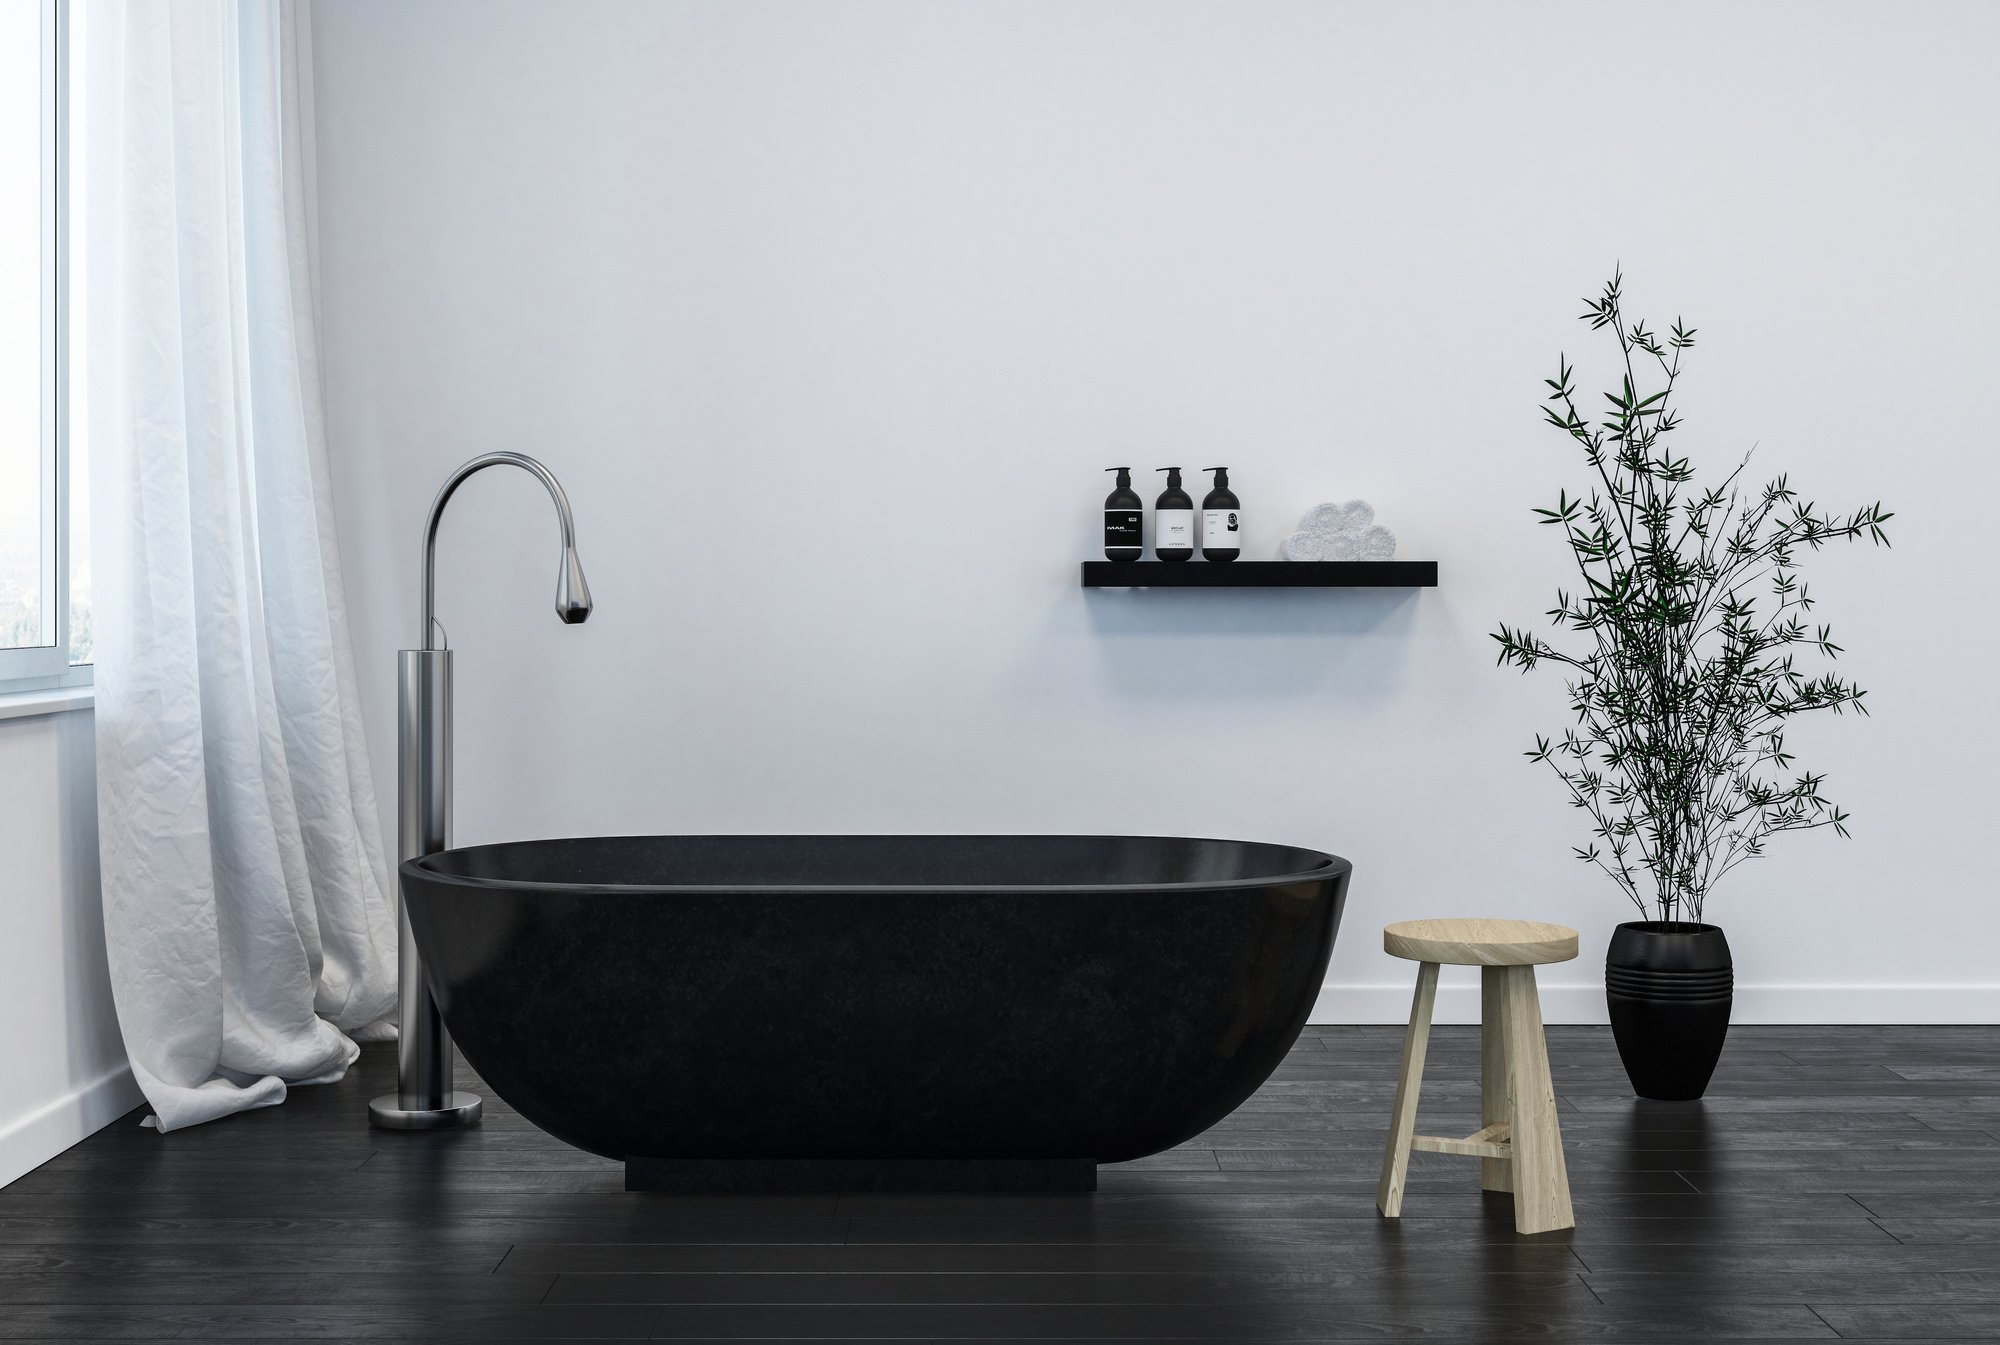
pixel 388 1113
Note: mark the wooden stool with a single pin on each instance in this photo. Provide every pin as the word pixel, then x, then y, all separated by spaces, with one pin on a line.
pixel 1520 1143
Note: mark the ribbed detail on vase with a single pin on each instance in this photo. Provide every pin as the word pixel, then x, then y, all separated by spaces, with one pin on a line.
pixel 1688 985
pixel 1669 989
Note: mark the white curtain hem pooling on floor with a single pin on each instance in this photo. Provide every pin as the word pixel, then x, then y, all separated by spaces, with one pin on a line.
pixel 248 918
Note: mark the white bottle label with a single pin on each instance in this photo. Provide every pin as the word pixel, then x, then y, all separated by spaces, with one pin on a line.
pixel 1173 528
pixel 1220 529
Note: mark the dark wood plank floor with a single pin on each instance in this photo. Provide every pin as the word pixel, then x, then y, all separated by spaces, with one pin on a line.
pixel 1838 1183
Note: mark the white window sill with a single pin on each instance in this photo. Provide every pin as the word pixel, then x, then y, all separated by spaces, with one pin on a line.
pixel 53 701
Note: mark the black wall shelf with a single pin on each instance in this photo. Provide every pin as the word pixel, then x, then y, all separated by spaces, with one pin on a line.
pixel 1260 574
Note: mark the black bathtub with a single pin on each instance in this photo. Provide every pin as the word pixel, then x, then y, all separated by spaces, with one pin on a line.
pixel 874 1012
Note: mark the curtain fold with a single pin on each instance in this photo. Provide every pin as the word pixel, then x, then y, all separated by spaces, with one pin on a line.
pixel 248 912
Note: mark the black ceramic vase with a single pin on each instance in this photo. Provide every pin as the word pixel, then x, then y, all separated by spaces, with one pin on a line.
pixel 1669 986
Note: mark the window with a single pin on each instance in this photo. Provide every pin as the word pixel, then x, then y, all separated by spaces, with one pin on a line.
pixel 44 530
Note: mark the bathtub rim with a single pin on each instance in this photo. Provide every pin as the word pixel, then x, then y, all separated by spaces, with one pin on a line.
pixel 1330 865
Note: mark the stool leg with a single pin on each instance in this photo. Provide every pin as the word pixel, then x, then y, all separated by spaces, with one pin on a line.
pixel 1403 1117
pixel 1541 1181
pixel 1495 1174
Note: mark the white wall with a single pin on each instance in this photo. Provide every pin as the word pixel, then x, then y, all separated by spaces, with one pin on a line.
pixel 62 1063
pixel 829 314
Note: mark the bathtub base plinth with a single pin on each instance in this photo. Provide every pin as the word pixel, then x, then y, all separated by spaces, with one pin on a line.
pixel 860 1174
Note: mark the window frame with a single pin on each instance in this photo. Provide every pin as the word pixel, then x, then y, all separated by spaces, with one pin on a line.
pixel 46 666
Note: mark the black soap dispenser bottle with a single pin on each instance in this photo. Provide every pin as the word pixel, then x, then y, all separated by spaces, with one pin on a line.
pixel 1173 520
pixel 1124 519
pixel 1221 520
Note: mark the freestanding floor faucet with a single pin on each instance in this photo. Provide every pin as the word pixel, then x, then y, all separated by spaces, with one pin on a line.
pixel 424 1099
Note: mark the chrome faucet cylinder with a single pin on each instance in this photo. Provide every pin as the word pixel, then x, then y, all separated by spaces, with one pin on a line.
pixel 423 1099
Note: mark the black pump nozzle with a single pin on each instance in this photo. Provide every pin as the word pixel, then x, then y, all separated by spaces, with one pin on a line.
pixel 1221 476
pixel 1173 476
pixel 1124 476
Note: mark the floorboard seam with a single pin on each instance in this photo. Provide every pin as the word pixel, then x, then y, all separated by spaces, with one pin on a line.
pixel 1886 1229
pixel 1864 1205
pixel 1587 1289
pixel 1829 1325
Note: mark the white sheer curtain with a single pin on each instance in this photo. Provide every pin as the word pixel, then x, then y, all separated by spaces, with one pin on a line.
pixel 251 929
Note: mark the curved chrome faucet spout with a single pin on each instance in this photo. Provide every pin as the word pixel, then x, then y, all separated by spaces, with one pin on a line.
pixel 572 593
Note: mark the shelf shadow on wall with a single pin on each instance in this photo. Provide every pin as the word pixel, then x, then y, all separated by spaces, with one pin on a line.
pixel 1276 642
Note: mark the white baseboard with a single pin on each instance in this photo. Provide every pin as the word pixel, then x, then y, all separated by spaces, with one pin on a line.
pixel 34 1139
pixel 1570 1001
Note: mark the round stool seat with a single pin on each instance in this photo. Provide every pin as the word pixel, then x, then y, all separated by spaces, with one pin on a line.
pixel 1480 943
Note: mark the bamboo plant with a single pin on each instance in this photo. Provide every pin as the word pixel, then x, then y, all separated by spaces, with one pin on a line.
pixel 1689 648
